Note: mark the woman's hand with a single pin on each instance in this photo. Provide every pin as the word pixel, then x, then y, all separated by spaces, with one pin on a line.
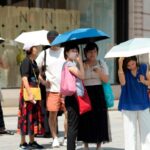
pixel 120 60
pixel 97 70
pixel 120 63
pixel 31 99
pixel 100 73
pixel 78 59
pixel 142 79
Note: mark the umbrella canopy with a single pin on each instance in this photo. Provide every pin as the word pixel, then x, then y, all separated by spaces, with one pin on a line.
pixel 80 36
pixel 1 40
pixel 129 48
pixel 36 37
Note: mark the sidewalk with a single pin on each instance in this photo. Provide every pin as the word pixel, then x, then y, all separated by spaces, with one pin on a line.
pixel 12 111
pixel 11 142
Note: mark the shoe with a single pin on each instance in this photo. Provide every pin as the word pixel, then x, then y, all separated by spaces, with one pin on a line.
pixel 35 145
pixel 55 143
pixel 64 143
pixel 24 146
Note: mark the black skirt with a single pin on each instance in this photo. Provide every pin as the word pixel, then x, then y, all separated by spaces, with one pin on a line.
pixel 94 125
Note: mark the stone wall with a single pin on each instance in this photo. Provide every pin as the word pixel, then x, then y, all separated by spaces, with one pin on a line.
pixel 139 22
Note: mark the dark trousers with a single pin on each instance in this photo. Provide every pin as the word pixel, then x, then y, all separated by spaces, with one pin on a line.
pixel 45 113
pixel 2 124
pixel 73 121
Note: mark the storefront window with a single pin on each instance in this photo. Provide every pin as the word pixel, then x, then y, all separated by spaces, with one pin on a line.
pixel 68 15
pixel 99 14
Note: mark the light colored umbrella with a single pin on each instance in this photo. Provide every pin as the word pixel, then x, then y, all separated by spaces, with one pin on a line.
pixel 129 48
pixel 1 40
pixel 37 37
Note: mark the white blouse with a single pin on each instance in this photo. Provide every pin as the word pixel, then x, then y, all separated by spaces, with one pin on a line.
pixel 91 77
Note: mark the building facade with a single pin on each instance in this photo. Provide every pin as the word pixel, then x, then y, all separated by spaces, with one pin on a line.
pixel 121 19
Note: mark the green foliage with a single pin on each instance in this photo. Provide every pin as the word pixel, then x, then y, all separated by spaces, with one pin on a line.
pixel 20 56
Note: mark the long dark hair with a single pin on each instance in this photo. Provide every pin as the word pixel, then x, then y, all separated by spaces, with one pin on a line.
pixel 29 52
pixel 127 59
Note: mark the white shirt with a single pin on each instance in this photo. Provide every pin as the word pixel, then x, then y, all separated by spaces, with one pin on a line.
pixel 54 63
pixel 90 76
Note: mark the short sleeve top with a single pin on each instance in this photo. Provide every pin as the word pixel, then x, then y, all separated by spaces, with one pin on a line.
pixel 134 95
pixel 90 76
pixel 29 69
pixel 79 84
pixel 54 64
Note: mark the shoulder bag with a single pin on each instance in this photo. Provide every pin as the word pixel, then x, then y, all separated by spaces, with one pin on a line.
pixel 34 90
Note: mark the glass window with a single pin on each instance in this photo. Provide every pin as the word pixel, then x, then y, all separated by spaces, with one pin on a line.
pixel 99 14
pixel 9 68
pixel 91 13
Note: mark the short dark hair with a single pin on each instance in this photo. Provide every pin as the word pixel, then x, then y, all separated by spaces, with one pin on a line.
pixel 127 59
pixel 68 47
pixel 90 46
pixel 51 35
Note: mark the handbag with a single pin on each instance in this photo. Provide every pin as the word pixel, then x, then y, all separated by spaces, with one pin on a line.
pixel 84 102
pixel 108 92
pixel 34 90
pixel 68 82
pixel 109 95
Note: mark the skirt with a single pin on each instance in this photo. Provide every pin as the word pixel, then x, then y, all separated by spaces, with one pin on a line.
pixel 94 125
pixel 30 119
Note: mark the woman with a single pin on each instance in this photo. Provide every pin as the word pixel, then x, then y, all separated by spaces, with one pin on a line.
pixel 71 54
pixel 94 125
pixel 134 102
pixel 29 116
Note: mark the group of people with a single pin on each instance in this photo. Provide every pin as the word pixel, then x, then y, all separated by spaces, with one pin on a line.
pixel 92 126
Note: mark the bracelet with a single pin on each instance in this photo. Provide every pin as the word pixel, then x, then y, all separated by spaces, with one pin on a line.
pixel 120 72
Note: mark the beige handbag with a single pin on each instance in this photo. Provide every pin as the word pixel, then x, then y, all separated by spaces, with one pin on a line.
pixel 34 90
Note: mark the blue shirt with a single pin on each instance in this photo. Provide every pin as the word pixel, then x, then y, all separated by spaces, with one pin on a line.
pixel 134 95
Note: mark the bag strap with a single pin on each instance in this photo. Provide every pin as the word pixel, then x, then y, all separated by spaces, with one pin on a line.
pixel 35 75
pixel 45 60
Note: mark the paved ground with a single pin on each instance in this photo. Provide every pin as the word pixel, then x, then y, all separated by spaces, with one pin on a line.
pixel 9 142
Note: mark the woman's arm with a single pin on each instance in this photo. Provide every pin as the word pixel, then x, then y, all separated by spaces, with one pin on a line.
pixel 78 72
pixel 101 74
pixel 147 80
pixel 121 72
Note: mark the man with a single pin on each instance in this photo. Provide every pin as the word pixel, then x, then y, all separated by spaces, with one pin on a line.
pixel 54 102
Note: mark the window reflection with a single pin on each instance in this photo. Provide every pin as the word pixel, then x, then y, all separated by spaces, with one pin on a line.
pixel 92 13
